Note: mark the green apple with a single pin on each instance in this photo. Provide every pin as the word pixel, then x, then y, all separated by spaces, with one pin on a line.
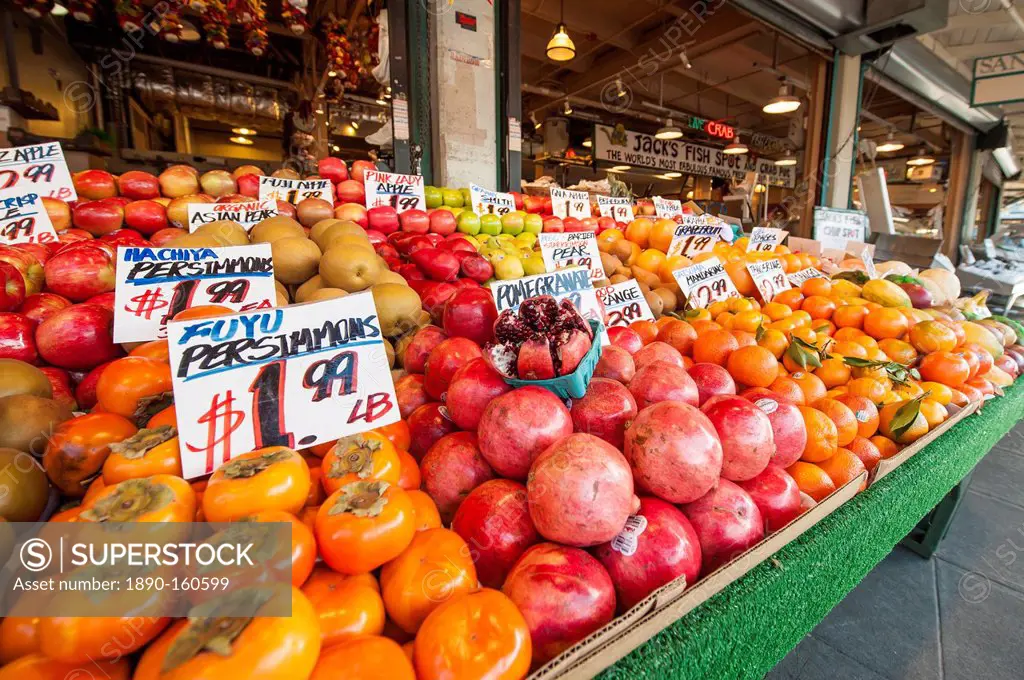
pixel 527 238
pixel 467 222
pixel 512 223
pixel 452 197
pixel 435 199
pixel 490 224
pixel 533 223
pixel 467 196
pixel 509 268
pixel 534 264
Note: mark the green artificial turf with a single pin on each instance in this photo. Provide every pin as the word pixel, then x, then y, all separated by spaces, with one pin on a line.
pixel 751 625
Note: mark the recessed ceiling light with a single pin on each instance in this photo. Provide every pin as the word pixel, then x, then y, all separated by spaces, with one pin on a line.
pixel 244 141
pixel 332 73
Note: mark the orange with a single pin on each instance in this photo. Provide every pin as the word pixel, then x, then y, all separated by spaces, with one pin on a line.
pixel 661 234
pixel 938 392
pixel 817 306
pixel 802 317
pixel 811 385
pixel 753 366
pixel 822 435
pixel 610 235
pixel 702 326
pixel 647 330
pixel 744 338
pixel 887 447
pixel 748 321
pixel 742 304
pixel 823 327
pixel 679 334
pixel 639 231
pixel 651 260
pixel 725 320
pixel 947 368
pixel 885 322
pixel 843 467
pixel 848 348
pixel 958 398
pixel 776 310
pixel 718 308
pixel 816 288
pixel 792 298
pixel 833 372
pixel 714 346
pixel 933 412
pixel 737 271
pixel 662 321
pixel 932 336
pixel 839 413
pixel 866 450
pixel 811 479
pixel 774 341
pixel 864 410
pixel 850 316
pixel 917 429
pixel 899 351
pixel 907 390
pixel 866 341
pixel 788 389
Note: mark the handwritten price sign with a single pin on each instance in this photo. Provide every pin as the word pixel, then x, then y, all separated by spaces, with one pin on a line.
pixel 624 303
pixel 796 279
pixel 695 235
pixel 401 192
pixel 39 169
pixel 573 284
pixel 572 249
pixel 834 227
pixel 487 202
pixel 23 219
pixel 769 277
pixel 565 203
pixel 764 239
pixel 295 190
pixel 248 215
pixel 291 376
pixel 154 284
pixel 705 282
pixel 667 209
pixel 618 208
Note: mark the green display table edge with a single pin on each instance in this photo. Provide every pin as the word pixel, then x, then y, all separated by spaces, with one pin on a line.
pixel 751 625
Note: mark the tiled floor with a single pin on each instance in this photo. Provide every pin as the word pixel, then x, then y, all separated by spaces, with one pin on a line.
pixel 958 616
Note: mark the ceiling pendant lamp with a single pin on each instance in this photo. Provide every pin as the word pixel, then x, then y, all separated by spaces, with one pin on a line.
pixel 669 131
pixel 561 47
pixel 735 147
pixel 890 144
pixel 922 158
pixel 784 102
pixel 786 161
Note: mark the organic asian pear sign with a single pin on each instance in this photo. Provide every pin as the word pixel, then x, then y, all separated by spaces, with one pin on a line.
pixel 292 376
pixel 696 234
pixel 23 219
pixel 295 190
pixel 667 208
pixel 401 192
pixel 565 203
pixel 618 208
pixel 834 227
pixel 705 282
pixel 487 202
pixel 769 277
pixel 765 239
pixel 573 284
pixel 248 214
pixel 572 249
pixel 624 303
pixel 38 169
pixel 155 284
pixel 619 146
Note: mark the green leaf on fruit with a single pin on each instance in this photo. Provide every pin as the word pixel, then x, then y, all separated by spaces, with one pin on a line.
pixel 904 418
pixel 803 354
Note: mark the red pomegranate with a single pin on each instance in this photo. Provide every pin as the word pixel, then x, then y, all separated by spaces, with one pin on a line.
pixel 563 593
pixel 657 351
pixel 657 546
pixel 789 430
pixel 410 393
pixel 494 520
pixel 444 360
pixel 419 348
pixel 471 389
pixel 626 338
pixel 605 411
pixel 471 313
pixel 776 496
pixel 580 491
pixel 451 468
pixel 662 381
pixel 712 380
pixel 727 523
pixel 427 424
pixel 674 451
pixel 518 425
pixel 746 433
pixel 615 363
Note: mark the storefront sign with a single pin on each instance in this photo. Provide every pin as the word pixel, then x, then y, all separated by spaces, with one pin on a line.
pixel 573 284
pixel 248 215
pixel 23 219
pixel 295 190
pixel 998 79
pixel 572 249
pixel 624 303
pixel 667 209
pixel 705 282
pixel 154 284
pixel 565 203
pixel 618 208
pixel 765 239
pixel 769 277
pixel 401 192
pixel 695 235
pixel 487 202
pixel 797 279
pixel 291 376
pixel 38 169
pixel 620 147
pixel 834 227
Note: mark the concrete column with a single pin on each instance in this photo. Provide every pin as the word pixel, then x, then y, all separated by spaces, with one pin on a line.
pixel 464 86
pixel 843 116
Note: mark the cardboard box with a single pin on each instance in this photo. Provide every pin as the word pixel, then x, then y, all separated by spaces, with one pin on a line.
pixel 887 465
pixel 917 251
pixel 674 600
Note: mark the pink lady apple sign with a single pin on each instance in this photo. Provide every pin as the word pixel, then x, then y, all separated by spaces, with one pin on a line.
pixel 769 277
pixel 487 202
pixel 572 249
pixel 292 376
pixel 248 214
pixel 624 303
pixel 618 208
pixel 154 284
pixel 23 219
pixel 565 203
pixel 705 282
pixel 295 190
pixel 38 169
pixel 401 192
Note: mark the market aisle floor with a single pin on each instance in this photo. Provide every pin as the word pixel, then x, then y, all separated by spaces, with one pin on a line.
pixel 955 617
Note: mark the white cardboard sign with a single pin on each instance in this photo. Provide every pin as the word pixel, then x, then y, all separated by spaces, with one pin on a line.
pixel 624 303
pixel 618 208
pixel 23 219
pixel 295 190
pixel 247 214
pixel 834 227
pixel 797 278
pixel 769 277
pixel 292 376
pixel 765 239
pixel 565 203
pixel 572 249
pixel 705 282
pixel 696 234
pixel 401 192
pixel 487 202
pixel 38 169
pixel 154 284
pixel 667 209
pixel 573 284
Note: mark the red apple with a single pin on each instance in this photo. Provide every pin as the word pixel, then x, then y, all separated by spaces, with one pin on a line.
pixel 533 204
pixel 712 381
pixel 727 522
pixel 604 223
pixel 456 242
pixel 353 212
pixel 746 433
pixel 470 390
pixel 476 267
pixel 470 313
pixel 333 169
pixel 287 209
pixel 42 252
pixel 437 264
pixel 494 520
pixel 98 217
pixel 178 180
pixel 12 287
pixel 248 185
pixel 81 271
pixel 17 338
pixel 242 170
pixel 410 272
pixel 160 238
pixel 26 263
pixel 434 297
pixel 351 191
pixel 94 184
pixel 103 300
pixel 146 217
pixel 518 199
pixel 58 211
pixel 72 235
pixel 553 225
pixel 60 383
pixel 414 221
pixel 776 495
pixel 443 222
pixel 42 306
pixel 218 183
pixel 78 338
pixel 383 218
pixel 359 168
pixel 572 224
pixel 138 185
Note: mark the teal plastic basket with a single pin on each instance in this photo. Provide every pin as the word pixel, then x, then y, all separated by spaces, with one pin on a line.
pixel 574 385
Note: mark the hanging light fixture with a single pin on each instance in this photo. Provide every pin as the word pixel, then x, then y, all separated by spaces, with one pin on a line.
pixel 243 131
pixel 786 161
pixel 684 60
pixel 922 158
pixel 588 142
pixel 784 102
pixel 620 168
pixel 890 144
pixel 735 147
pixel 567 108
pixel 669 130
pixel 244 141
pixel 354 124
pixel 561 47
pixel 59 10
pixel 673 175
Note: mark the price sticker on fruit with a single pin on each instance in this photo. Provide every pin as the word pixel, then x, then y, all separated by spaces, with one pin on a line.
pixel 294 190
pixel 292 376
pixel 565 203
pixel 572 249
pixel 769 277
pixel 667 208
pixel 487 202
pixel 248 214
pixel 38 169
pixel 155 284
pixel 23 219
pixel 764 239
pixel 696 234
pixel 624 303
pixel 573 284
pixel 618 208
pixel 401 192
pixel 705 282
pixel 796 279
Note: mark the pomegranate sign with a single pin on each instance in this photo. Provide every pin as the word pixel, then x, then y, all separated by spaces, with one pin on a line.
pixel 39 169
pixel 573 284
pixel 23 219
pixel 294 190
pixel 401 192
pixel 289 376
